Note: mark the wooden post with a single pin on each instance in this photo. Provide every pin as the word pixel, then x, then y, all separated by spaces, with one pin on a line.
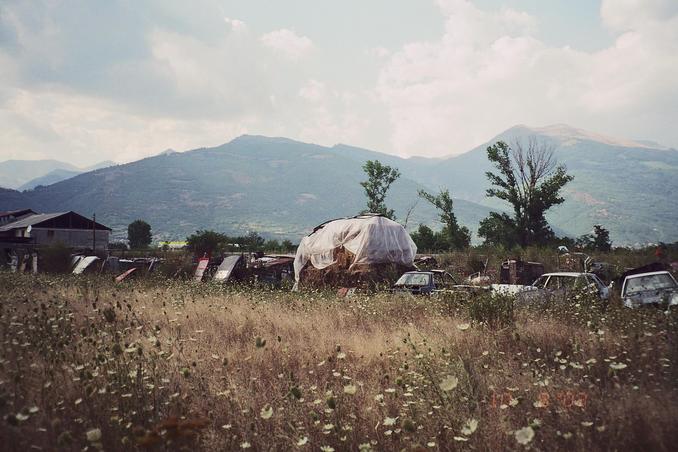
pixel 94 233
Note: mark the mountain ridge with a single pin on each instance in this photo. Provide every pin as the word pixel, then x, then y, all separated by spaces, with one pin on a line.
pixel 27 174
pixel 283 187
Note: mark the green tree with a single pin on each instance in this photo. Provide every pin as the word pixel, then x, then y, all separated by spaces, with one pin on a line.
pixel 599 240
pixel 287 246
pixel 139 234
pixel 207 242
pixel 530 180
pixel 498 230
pixel 253 242
pixel 272 245
pixel 425 239
pixel 457 237
pixel 117 246
pixel 379 180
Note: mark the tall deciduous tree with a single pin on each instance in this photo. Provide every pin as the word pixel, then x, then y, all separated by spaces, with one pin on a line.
pixel 379 180
pixel 139 234
pixel 530 180
pixel 457 237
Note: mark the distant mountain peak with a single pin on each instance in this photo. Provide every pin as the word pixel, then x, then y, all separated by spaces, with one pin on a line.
pixel 246 138
pixel 566 134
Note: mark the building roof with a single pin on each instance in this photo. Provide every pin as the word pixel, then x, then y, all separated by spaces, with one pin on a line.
pixel 30 221
pixel 38 218
pixel 16 212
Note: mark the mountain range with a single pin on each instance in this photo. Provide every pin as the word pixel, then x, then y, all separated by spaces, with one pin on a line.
pixel 283 188
pixel 28 174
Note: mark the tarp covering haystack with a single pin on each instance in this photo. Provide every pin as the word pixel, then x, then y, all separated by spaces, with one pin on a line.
pixel 354 252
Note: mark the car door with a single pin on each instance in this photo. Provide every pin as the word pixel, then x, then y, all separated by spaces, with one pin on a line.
pixel 602 290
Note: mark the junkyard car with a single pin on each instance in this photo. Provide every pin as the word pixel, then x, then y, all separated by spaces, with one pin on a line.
pixel 430 282
pixel 650 289
pixel 563 283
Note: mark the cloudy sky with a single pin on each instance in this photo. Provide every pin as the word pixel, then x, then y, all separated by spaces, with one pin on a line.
pixel 85 80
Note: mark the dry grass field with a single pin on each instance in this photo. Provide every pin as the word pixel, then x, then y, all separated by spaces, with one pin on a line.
pixel 166 365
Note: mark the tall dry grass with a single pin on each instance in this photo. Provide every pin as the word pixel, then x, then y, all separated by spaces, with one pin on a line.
pixel 170 365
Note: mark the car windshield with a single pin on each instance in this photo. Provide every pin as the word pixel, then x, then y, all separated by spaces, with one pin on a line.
pixel 413 279
pixel 650 282
pixel 560 282
pixel 540 282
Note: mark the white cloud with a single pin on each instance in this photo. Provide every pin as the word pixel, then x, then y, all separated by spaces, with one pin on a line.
pixel 76 85
pixel 181 83
pixel 378 52
pixel 236 25
pixel 625 15
pixel 288 43
pixel 488 72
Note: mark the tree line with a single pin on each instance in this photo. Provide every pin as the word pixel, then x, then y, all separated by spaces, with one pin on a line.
pixel 526 177
pixel 208 242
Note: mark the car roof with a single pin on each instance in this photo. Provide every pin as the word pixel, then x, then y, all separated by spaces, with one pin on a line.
pixel 426 271
pixel 639 275
pixel 571 274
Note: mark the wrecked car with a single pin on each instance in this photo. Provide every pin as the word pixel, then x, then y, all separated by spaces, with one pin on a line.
pixel 561 284
pixel 650 289
pixel 431 282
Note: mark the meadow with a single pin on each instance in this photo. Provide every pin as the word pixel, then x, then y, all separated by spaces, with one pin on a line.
pixel 160 364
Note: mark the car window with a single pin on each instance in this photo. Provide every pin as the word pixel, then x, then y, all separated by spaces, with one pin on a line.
pixel 596 281
pixel 567 282
pixel 582 282
pixel 650 282
pixel 560 282
pixel 413 279
pixel 553 282
pixel 541 282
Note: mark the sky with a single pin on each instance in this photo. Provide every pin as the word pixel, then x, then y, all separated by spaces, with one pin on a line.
pixel 89 80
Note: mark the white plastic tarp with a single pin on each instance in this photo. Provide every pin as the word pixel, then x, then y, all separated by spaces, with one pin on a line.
pixel 371 239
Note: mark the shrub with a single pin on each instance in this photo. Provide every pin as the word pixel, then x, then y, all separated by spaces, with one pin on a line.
pixel 493 311
pixel 55 258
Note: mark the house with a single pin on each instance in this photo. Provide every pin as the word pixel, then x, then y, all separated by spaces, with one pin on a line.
pixel 28 229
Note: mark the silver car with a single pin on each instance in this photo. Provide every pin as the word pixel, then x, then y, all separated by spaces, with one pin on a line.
pixel 562 283
pixel 650 289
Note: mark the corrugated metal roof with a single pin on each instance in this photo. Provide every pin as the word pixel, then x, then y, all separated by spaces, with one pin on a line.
pixel 14 212
pixel 31 220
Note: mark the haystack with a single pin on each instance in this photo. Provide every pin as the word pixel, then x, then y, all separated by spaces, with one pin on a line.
pixel 354 252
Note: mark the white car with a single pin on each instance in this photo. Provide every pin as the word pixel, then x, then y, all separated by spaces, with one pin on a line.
pixel 564 282
pixel 653 289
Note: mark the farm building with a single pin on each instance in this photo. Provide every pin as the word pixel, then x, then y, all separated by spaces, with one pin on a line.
pixel 27 229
